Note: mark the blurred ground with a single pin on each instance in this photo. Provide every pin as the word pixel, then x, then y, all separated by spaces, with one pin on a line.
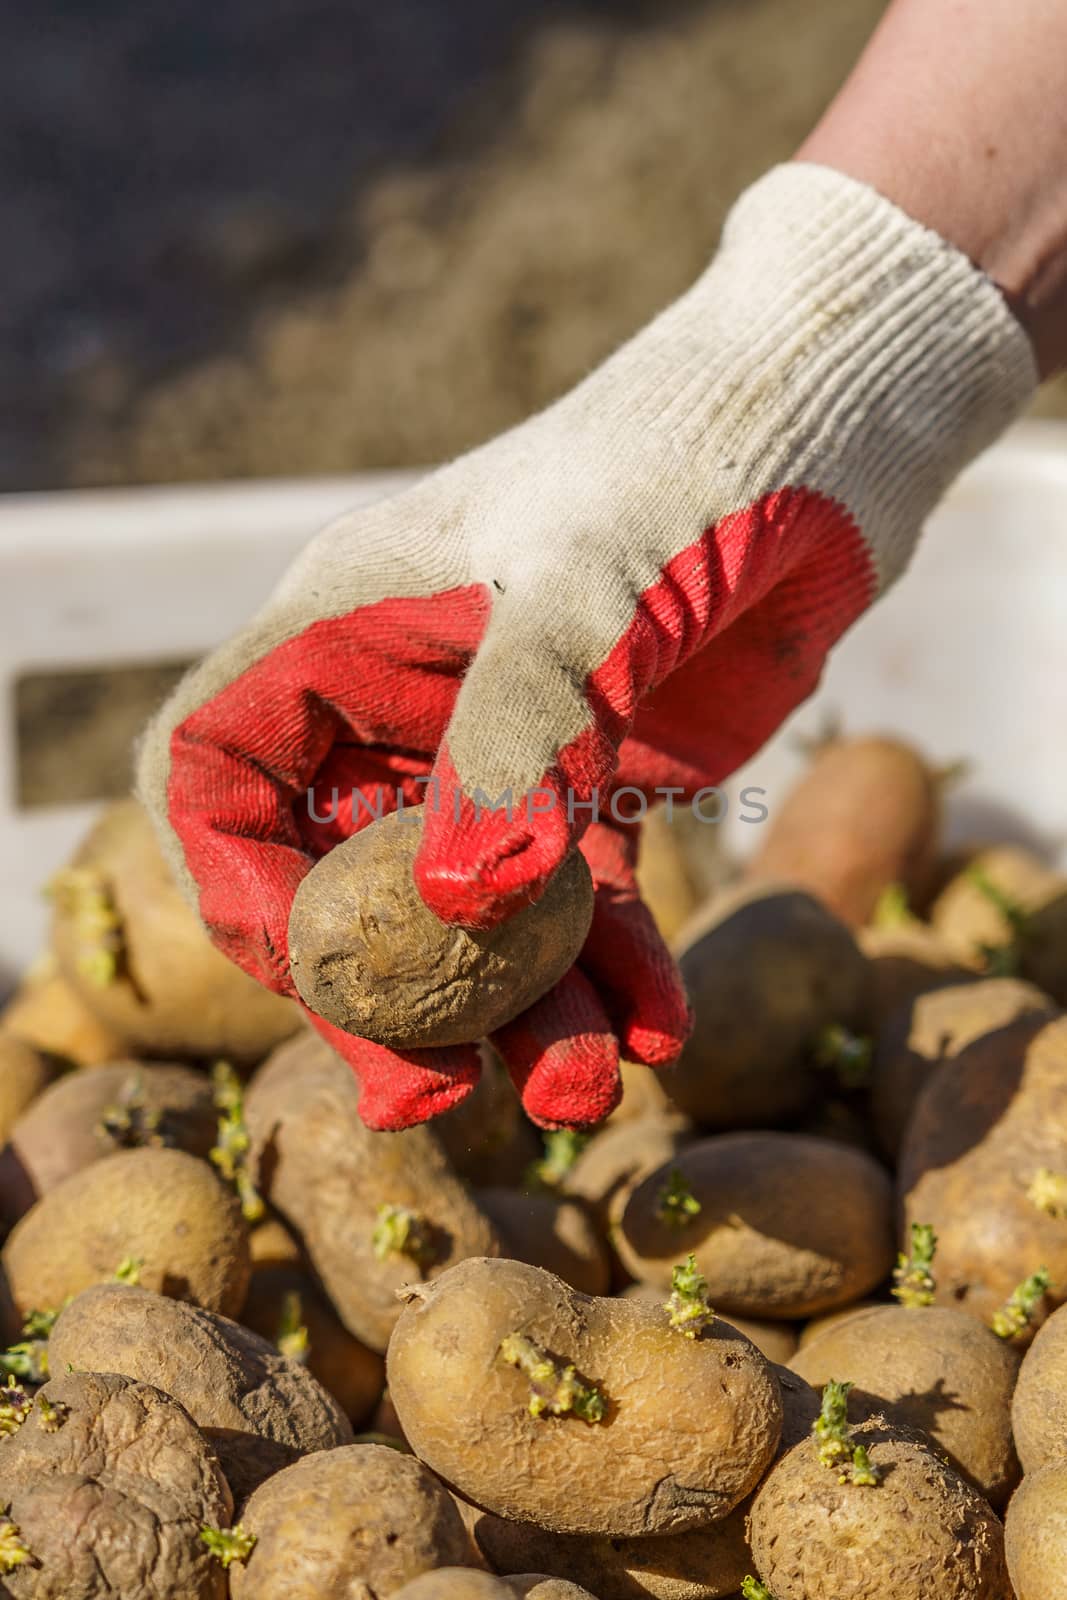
pixel 292 236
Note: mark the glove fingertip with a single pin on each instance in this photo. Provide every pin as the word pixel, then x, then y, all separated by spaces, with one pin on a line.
pixel 400 1089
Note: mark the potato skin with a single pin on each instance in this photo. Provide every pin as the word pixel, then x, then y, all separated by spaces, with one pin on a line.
pixel 906 960
pixel 457 1583
pixel 61 1132
pixel 967 918
pixel 987 1121
pixel 112 1502
pixel 163 1208
pixel 767 970
pixel 933 1369
pixel 368 954
pixel 788 1226
pixel 776 1340
pixel 864 815
pixel 257 1409
pixel 1039 1406
pixel 922 1532
pixel 25 1073
pixel 549 1231
pixel 177 996
pixel 691 1423
pixel 363 1514
pixel 48 1013
pixel 328 1174
pixel 619 1154
pixel 1035 1535
pixel 931 1028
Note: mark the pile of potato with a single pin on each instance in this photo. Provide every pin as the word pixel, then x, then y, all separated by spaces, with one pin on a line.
pixel 790 1325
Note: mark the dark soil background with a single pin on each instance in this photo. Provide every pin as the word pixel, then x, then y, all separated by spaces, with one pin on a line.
pixel 292 236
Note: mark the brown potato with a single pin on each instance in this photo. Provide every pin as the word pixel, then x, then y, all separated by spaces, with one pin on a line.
pixel 774 1234
pixel 1039 1406
pixel 933 1369
pixel 360 1520
pixel 1035 1535
pixel 162 1209
pixel 766 974
pixel 633 1456
pixel 619 1155
pixel 153 976
pixel 776 1340
pixel 549 1231
pixel 922 1531
pixel 990 1122
pixel 272 1245
pixel 863 816
pixel 908 959
pixel 816 1326
pixel 47 1012
pixel 259 1410
pixel 24 1074
pixel 927 1030
pixel 87 1115
pixel 460 1583
pixel 370 956
pixel 969 918
pixel 109 1483
pixel 281 1292
pixel 329 1176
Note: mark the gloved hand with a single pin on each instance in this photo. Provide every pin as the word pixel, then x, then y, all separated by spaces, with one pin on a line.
pixel 629 591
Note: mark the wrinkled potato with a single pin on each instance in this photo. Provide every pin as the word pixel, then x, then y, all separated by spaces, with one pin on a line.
pixel 258 1410
pixel 109 1483
pixel 48 1012
pixel 286 1307
pixel 368 954
pixel 1039 1405
pixel 768 971
pixel 776 1340
pixel 920 1532
pixel 975 914
pixel 330 1176
pixel 784 1225
pixel 908 959
pixel 1035 1535
pixel 24 1074
pixel 549 1231
pixel 162 1209
pixel 360 1520
pixel 127 942
pixel 983 1163
pixel 87 1115
pixel 864 815
pixel 933 1369
pixel 929 1029
pixel 618 1454
pixel 460 1583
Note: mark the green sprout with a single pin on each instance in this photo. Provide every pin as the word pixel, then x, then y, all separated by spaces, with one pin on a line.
pixel 51 1414
pixel 29 1358
pixel 14 1552
pixel 1017 1312
pixel 752 1589
pixel 1001 960
pixel 232 1143
pixel 913 1281
pixel 562 1147
pixel 228 1545
pixel 892 909
pixel 292 1337
pixel 129 1270
pixel 131 1123
pixel 688 1307
pixel 846 1053
pixel 837 1448
pixel 1048 1192
pixel 676 1204
pixel 399 1231
pixel 554 1389
pixel 84 894
pixel 15 1405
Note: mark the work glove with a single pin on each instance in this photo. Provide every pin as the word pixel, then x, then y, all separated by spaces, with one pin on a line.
pixel 624 595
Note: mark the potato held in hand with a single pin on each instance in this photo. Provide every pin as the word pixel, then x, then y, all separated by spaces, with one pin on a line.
pixel 371 958
pixel 582 1415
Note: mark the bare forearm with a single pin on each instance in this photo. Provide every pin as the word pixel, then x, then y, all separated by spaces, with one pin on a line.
pixel 957 111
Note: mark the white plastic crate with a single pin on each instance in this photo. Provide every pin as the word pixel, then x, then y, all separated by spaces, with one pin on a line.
pixel 968 655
